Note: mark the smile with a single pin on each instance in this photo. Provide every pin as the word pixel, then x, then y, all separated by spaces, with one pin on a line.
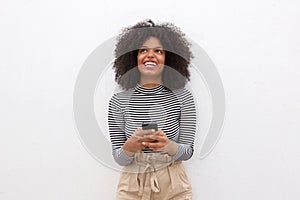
pixel 150 64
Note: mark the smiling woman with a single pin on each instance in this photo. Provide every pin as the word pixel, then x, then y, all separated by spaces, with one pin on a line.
pixel 175 46
pixel 152 66
pixel 151 60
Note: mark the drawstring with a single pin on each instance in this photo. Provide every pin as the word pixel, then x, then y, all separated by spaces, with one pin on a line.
pixel 144 178
pixel 146 166
pixel 154 182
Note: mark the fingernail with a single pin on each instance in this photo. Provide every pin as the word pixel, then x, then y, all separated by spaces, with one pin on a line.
pixel 143 143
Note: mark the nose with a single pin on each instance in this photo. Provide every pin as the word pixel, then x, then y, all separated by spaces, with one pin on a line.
pixel 150 54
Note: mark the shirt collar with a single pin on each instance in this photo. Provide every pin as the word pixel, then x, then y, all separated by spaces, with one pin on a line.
pixel 145 90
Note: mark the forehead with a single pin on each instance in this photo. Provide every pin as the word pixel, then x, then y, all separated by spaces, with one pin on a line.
pixel 152 42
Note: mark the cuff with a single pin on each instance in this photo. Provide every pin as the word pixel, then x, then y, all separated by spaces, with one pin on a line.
pixel 179 152
pixel 121 157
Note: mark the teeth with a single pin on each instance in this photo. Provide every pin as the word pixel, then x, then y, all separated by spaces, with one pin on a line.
pixel 150 63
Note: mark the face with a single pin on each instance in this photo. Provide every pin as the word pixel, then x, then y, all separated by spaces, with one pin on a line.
pixel 151 58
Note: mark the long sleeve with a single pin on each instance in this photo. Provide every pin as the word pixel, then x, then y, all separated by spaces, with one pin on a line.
pixel 116 131
pixel 187 127
pixel 173 111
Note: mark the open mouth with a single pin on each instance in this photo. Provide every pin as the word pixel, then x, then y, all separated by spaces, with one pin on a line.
pixel 150 64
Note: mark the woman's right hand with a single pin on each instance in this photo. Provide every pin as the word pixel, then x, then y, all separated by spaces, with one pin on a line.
pixel 137 140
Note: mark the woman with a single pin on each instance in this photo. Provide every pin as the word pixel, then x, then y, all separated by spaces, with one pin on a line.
pixel 151 66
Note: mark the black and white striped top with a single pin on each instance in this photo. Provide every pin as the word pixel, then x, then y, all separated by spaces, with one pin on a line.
pixel 173 111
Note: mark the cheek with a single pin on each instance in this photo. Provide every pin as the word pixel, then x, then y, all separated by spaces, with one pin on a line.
pixel 139 68
pixel 163 59
pixel 139 59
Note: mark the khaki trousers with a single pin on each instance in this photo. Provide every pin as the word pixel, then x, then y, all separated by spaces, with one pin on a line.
pixel 154 176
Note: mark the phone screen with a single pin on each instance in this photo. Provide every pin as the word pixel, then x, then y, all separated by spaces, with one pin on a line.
pixel 146 126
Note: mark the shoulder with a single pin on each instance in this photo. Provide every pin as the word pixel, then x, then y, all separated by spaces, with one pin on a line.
pixel 184 97
pixel 121 96
pixel 183 93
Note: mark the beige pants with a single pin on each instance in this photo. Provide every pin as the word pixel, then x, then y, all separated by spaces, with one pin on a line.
pixel 154 177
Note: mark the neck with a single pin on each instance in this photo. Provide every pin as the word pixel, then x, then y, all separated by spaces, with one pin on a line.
pixel 150 85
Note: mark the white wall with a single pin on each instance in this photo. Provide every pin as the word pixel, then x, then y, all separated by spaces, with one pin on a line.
pixel 255 45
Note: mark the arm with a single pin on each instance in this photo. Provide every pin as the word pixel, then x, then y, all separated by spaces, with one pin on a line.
pixel 187 127
pixel 116 126
pixel 123 148
pixel 182 149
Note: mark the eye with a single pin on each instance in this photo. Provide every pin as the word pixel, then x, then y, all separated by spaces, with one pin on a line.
pixel 160 51
pixel 143 50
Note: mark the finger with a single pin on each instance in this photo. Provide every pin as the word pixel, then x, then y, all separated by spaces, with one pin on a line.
pixel 153 137
pixel 146 139
pixel 148 132
pixel 145 133
pixel 136 139
pixel 155 145
pixel 159 132
pixel 159 137
pixel 138 132
pixel 155 133
pixel 135 136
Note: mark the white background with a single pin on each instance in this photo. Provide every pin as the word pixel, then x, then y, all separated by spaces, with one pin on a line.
pixel 255 46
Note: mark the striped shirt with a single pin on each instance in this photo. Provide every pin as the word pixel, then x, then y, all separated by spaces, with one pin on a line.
pixel 173 111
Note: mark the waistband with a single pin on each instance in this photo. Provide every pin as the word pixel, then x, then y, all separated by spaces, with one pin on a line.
pixel 145 166
pixel 149 162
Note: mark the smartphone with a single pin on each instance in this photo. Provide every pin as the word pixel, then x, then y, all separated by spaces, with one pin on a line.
pixel 151 125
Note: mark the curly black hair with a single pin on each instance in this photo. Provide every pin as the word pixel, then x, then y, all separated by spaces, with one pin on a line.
pixel 178 55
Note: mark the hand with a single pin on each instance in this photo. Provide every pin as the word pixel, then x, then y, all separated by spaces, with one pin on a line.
pixel 160 142
pixel 136 141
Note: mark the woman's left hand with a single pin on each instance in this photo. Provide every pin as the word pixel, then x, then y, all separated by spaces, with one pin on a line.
pixel 159 140
pixel 161 143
